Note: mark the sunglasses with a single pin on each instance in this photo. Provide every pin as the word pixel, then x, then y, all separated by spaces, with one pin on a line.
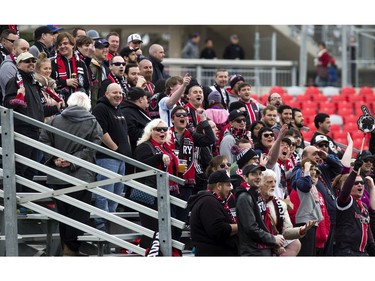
pixel 9 40
pixel 359 182
pixel 222 165
pixel 29 61
pixel 181 115
pixel 368 160
pixel 268 135
pixel 240 120
pixel 323 145
pixel 161 129
pixel 118 63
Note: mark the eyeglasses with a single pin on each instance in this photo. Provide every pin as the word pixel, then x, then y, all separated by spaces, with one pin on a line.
pixel 29 61
pixel 222 165
pixel 268 135
pixel 181 115
pixel 161 129
pixel 359 182
pixel 323 145
pixel 9 40
pixel 240 120
pixel 118 63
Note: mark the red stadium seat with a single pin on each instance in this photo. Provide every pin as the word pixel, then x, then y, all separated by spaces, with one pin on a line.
pixel 277 89
pixel 348 91
pixel 311 91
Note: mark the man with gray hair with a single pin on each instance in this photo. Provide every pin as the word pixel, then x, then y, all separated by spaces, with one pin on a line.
pixel 76 119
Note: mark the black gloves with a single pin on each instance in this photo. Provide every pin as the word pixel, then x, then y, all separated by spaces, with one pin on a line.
pixel 357 164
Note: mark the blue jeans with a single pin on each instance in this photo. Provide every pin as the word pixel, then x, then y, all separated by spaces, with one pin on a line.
pixel 101 202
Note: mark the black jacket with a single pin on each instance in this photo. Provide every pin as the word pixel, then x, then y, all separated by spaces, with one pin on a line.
pixel 33 98
pixel 137 119
pixel 210 226
pixel 254 237
pixel 112 122
pixel 158 70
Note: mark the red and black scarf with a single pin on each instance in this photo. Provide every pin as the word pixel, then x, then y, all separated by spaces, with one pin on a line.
pixel 173 166
pixel 224 203
pixel 61 68
pixel 185 145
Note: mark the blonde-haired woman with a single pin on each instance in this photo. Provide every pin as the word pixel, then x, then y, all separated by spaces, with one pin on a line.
pixel 151 150
pixel 43 72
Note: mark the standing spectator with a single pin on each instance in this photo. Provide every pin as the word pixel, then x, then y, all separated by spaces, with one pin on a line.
pixel 156 56
pixel 115 138
pixel 175 88
pixel 254 237
pixel 191 48
pixel 99 69
pixel 152 150
pixel 269 116
pixel 23 94
pixel 322 122
pixel 329 166
pixel 69 71
pixel 216 112
pixel 234 51
pixel 194 106
pixel 284 113
pixel 78 31
pixel 146 70
pixel 236 131
pixel 8 68
pixel 76 119
pixel 275 99
pixel 185 142
pixel 309 206
pixel 321 62
pixel 234 81
pixel 43 72
pixel 298 124
pixel 113 39
pixel 246 101
pixel 254 130
pixel 44 40
pixel 353 234
pixel 7 38
pixel 208 51
pixel 221 80
pixel 213 227
pixel 116 75
pixel 129 54
pixel 135 41
pixel 135 112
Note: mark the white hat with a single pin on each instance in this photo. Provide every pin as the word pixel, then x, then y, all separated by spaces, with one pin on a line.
pixel 320 138
pixel 135 37
pixel 24 56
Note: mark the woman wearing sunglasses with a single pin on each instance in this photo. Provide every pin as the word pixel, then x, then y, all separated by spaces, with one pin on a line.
pixel 266 139
pixel 353 234
pixel 152 150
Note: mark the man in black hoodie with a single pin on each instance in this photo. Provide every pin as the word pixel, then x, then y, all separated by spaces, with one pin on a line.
pixel 115 137
pixel 212 225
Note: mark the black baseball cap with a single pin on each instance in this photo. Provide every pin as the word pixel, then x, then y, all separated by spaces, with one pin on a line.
pixel 219 176
pixel 136 93
pixel 252 168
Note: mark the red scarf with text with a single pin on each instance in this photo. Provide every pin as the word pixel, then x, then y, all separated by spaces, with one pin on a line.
pixel 173 166
pixel 185 145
